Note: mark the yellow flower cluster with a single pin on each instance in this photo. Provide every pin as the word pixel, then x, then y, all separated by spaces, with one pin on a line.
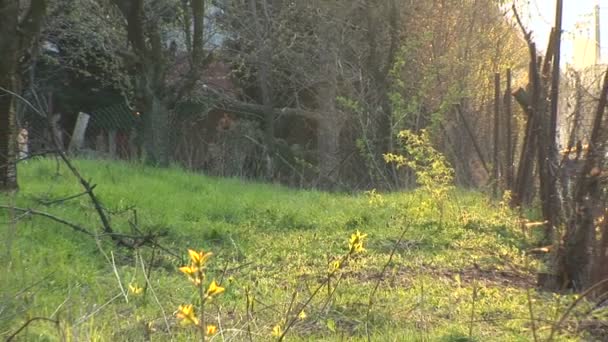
pixel 135 289
pixel 196 270
pixel 355 243
pixel 187 315
pixel 211 329
pixel 277 331
pixel 213 290
pixel 196 274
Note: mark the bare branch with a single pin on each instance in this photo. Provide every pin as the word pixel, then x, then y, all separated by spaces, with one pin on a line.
pixel 51 217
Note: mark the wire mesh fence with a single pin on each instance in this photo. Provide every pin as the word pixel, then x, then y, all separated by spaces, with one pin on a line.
pixel 108 132
pixel 201 139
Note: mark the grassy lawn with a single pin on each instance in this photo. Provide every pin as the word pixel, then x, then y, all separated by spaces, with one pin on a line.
pixel 458 274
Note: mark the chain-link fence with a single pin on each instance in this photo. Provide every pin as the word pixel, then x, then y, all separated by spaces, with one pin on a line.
pixel 200 138
pixel 108 132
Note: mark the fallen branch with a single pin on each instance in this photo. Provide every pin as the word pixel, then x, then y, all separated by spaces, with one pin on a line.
pixel 31 320
pixel 51 217
pixel 125 240
pixel 64 199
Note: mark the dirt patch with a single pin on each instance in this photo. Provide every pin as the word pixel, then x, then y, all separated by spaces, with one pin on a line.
pixel 490 277
pixel 404 276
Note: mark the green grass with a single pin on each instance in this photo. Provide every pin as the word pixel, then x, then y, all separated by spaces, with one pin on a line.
pixel 459 275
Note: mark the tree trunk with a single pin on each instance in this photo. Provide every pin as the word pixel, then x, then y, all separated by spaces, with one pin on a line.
pixel 496 135
pixel 263 61
pixel 15 37
pixel 330 122
pixel 508 134
pixel 155 131
pixel 379 67
pixel 8 170
pixel 145 38
pixel 328 140
pixel 8 65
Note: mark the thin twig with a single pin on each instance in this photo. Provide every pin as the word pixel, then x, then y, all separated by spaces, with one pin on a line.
pixel 62 304
pixel 527 34
pixel 380 276
pixel 35 155
pixel 532 319
pixel 530 306
pixel 27 288
pixel 472 321
pixel 219 326
pixel 249 306
pixel 33 319
pixel 122 289
pixel 143 268
pixel 51 217
pixel 557 325
pixel 333 291
pixel 150 268
pixel 290 323
pixel 65 199
pixel 293 300
pixel 12 228
pixel 85 318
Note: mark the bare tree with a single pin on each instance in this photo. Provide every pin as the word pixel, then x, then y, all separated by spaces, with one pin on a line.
pixel 158 84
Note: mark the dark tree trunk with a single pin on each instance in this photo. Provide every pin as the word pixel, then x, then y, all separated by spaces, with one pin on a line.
pixel 379 67
pixel 8 170
pixel 496 135
pixel 155 133
pixel 8 56
pixel 15 39
pixel 330 120
pixel 508 134
pixel 330 123
pixel 263 63
pixel 549 167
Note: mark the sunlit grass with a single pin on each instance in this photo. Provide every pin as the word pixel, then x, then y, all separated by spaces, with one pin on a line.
pixel 271 240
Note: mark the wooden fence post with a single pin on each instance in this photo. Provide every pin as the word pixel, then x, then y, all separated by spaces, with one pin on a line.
pixel 495 159
pixel 509 133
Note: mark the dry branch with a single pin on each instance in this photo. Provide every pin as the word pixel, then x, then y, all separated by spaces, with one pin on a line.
pixel 473 140
pixel 31 320
pixel 64 199
pixel 49 216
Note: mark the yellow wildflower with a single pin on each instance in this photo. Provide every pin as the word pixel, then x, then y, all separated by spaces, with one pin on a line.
pixel 302 315
pixel 135 289
pixel 335 265
pixel 199 258
pixel 214 289
pixel 188 270
pixel 277 330
pixel 187 315
pixel 211 329
pixel 355 244
pixel 194 274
